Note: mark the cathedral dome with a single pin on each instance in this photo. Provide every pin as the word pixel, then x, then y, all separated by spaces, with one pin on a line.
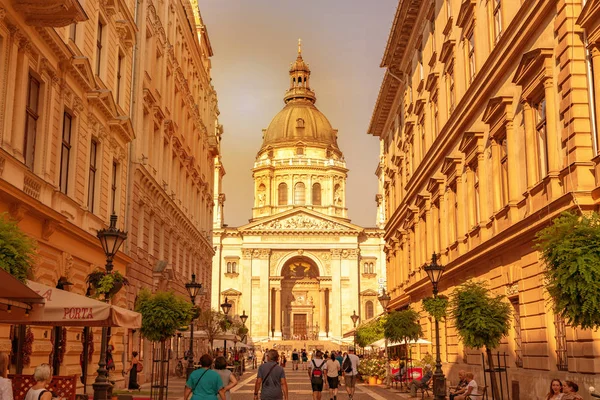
pixel 300 120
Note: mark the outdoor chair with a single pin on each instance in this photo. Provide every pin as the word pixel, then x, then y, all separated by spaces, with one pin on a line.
pixel 477 396
pixel 425 389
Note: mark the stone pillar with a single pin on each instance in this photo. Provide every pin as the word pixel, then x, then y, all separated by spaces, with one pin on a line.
pixel 595 55
pixel 277 306
pixel 322 313
pixel 513 170
pixel 553 138
pixel 530 157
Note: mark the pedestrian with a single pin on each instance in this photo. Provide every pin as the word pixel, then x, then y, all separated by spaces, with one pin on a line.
pixel 472 388
pixel 283 360
pixel 270 380
pixel 229 380
pixel 570 390
pixel 42 376
pixel 134 367
pixel 6 392
pixel 315 373
pixel 340 360
pixel 304 358
pixel 556 390
pixel 460 388
pixel 350 370
pixel 333 369
pixel 204 383
pixel 295 360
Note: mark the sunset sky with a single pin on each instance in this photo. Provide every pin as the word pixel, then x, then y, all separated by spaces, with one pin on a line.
pixel 255 41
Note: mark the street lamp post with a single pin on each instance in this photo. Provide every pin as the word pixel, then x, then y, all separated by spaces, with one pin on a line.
pixel 434 272
pixel 226 306
pixel 354 321
pixel 244 318
pixel 193 288
pixel 111 239
pixel 384 300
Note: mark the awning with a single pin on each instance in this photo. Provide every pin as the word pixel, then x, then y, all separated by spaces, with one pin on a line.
pixel 64 308
pixel 381 343
pixel 16 298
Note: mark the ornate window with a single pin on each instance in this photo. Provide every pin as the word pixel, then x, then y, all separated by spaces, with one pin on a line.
pixel 65 154
pixel 299 194
pixel 451 88
pixel 561 343
pixel 92 175
pixel 119 76
pixel 541 138
pixel 368 268
pixel 316 194
pixel 497 15
pixel 31 118
pixel 369 309
pixel 471 56
pixel 504 170
pixel 282 194
pixel 99 40
pixel 232 267
pixel 517 332
pixel 113 186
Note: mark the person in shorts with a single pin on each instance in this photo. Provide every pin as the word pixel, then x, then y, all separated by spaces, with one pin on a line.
pixel 271 383
pixel 350 371
pixel 316 374
pixel 340 360
pixel 304 358
pixel 333 368
pixel 295 359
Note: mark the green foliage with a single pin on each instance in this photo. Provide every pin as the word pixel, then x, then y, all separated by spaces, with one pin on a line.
pixel 481 319
pixel 369 332
pixel 17 250
pixel 570 248
pixel 401 326
pixel 106 284
pixel 436 306
pixel 211 321
pixel 372 366
pixel 162 314
pixel 426 360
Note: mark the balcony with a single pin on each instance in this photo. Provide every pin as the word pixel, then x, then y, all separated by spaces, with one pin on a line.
pixel 50 13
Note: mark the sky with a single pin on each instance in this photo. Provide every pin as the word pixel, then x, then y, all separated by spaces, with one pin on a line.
pixel 254 42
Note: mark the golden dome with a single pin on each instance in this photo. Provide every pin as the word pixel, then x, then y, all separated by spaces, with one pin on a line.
pixel 300 120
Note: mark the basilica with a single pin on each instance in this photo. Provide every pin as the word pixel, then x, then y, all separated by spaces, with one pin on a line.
pixel 300 269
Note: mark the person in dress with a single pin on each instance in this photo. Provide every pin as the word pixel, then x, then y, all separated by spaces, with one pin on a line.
pixel 227 377
pixel 42 377
pixel 333 369
pixel 204 383
pixel 133 371
pixel 472 388
pixel 570 390
pixel 556 390
pixel 6 392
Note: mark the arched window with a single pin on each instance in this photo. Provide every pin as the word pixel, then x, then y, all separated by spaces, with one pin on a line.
pixel 261 195
pixel 316 194
pixel 366 268
pixel 282 194
pixel 370 268
pixel 369 309
pixel 234 267
pixel 228 267
pixel 299 194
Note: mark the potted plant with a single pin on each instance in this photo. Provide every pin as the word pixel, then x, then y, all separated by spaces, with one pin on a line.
pixel 106 284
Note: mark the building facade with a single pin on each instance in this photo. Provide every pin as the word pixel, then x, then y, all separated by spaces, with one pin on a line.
pixel 107 107
pixel 482 146
pixel 299 268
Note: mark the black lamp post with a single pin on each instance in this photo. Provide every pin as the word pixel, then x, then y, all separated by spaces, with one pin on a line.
pixel 384 300
pixel 434 272
pixel 226 306
pixel 111 239
pixel 193 288
pixel 244 318
pixel 354 321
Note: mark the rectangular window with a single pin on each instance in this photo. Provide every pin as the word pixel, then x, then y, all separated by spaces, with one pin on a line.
pixel 471 56
pixel 423 141
pixel 497 13
pixel 476 194
pixel 504 171
pixel 73 32
pixel 432 30
pixel 435 115
pixel 451 88
pixel 420 61
pixel 31 118
pixel 541 137
pixel 517 332
pixel 561 343
pixel 99 47
pixel 65 153
pixel 119 66
pixel 113 186
pixel 449 8
pixel 92 175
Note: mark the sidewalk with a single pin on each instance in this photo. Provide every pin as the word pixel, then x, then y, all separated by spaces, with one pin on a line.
pixel 384 393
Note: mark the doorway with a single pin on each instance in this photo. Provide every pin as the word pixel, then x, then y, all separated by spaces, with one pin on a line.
pixel 300 325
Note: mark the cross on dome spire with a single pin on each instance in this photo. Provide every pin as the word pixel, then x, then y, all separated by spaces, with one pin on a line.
pixel 299 47
pixel 299 80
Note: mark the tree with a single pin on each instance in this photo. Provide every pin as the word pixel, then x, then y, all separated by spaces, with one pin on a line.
pixel 17 250
pixel 481 320
pixel 163 314
pixel 570 248
pixel 369 332
pixel 403 326
pixel 213 323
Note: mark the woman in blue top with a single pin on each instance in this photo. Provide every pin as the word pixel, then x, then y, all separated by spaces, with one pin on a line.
pixel 204 383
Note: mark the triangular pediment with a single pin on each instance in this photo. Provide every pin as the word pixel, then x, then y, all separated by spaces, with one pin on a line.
pixel 231 292
pixel 368 292
pixel 301 220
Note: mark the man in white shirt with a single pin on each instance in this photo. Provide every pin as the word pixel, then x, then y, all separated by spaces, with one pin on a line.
pixel 350 371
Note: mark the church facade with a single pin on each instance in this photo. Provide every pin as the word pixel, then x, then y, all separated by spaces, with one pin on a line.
pixel 299 268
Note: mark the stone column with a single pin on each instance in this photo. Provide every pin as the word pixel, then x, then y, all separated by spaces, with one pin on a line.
pixel 322 313
pixel 277 306
pixel 513 170
pixel 595 55
pixel 553 139
pixel 530 157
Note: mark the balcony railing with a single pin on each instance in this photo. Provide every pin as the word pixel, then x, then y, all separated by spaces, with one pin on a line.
pixel 300 162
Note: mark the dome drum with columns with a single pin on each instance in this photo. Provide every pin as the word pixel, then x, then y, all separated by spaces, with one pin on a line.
pixel 302 267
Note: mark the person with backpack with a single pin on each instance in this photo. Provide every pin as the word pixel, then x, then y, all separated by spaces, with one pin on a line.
pixel 350 371
pixel 304 358
pixel 315 373
pixel 332 368
pixel 295 359
pixel 270 380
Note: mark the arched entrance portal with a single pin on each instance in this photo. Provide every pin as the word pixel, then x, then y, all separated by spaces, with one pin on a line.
pixel 300 299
